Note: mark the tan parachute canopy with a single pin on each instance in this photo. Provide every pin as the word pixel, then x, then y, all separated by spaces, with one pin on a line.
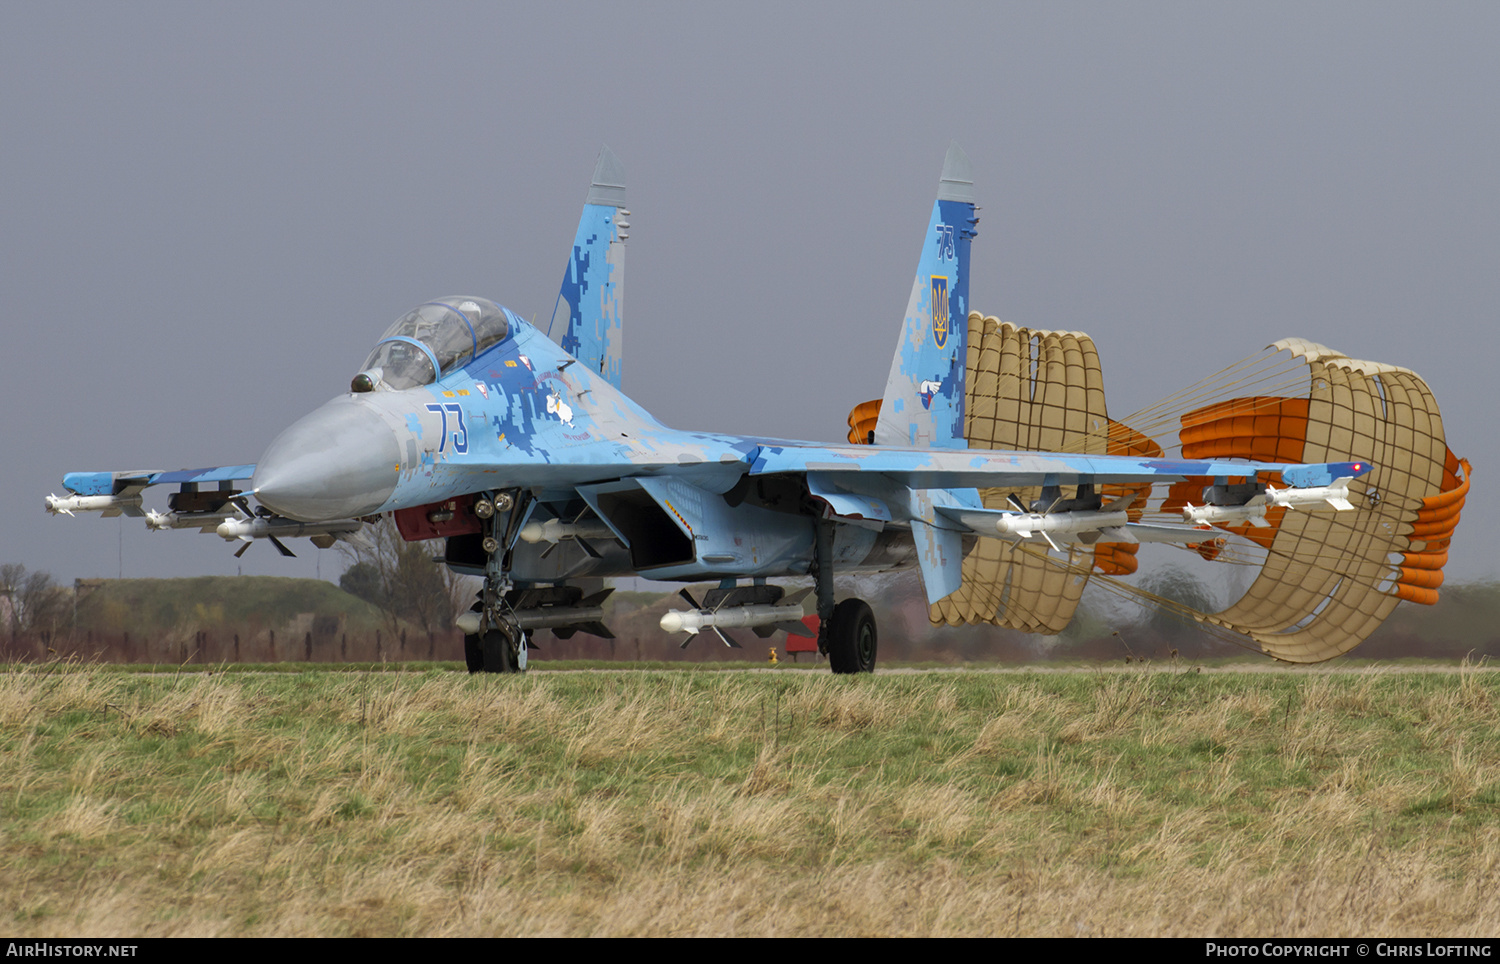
pixel 1326 579
pixel 1032 390
pixel 1329 578
pixel 1027 391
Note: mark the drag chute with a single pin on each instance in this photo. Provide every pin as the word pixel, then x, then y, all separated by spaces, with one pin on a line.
pixel 1324 579
pixel 1026 391
pixel 1329 579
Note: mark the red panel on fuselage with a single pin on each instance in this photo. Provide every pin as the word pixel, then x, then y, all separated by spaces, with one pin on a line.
pixel 438 520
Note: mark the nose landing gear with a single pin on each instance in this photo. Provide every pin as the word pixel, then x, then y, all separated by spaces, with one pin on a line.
pixel 500 644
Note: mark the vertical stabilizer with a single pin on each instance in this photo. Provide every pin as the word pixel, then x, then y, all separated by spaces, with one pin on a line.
pixel 924 395
pixel 590 307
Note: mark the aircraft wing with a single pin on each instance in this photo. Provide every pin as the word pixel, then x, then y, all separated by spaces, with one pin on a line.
pixel 983 468
pixel 218 507
pixel 115 483
pixel 111 493
pixel 937 492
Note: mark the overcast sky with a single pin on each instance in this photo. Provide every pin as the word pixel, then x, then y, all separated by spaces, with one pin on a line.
pixel 209 211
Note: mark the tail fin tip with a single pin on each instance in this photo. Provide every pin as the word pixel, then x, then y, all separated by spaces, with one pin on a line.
pixel 608 186
pixel 957 182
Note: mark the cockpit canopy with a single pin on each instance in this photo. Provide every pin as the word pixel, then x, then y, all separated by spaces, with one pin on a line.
pixel 435 338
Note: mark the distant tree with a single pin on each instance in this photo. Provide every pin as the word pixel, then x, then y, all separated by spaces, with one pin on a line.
pixel 363 581
pixel 421 590
pixel 35 603
pixel 402 579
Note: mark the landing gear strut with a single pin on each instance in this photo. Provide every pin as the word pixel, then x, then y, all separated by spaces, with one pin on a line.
pixel 846 632
pixel 500 645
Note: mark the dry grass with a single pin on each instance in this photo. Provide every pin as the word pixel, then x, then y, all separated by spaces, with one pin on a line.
pixel 715 804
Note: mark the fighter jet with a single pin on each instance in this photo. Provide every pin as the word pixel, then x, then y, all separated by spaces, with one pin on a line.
pixel 469 424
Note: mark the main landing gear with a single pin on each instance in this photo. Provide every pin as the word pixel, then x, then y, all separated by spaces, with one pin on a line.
pixel 846 632
pixel 846 635
pixel 852 637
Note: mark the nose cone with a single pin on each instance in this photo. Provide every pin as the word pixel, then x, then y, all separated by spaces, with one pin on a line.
pixel 339 462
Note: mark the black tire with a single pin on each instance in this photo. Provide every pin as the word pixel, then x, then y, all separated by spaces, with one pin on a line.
pixel 473 655
pixel 499 652
pixel 852 638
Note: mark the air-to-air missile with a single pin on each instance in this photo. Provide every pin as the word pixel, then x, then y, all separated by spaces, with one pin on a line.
pixel 108 504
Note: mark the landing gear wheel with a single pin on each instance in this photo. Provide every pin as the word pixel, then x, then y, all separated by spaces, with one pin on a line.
pixel 473 654
pixel 501 650
pixel 851 638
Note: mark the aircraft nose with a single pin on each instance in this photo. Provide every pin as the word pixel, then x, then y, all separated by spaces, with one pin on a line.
pixel 338 462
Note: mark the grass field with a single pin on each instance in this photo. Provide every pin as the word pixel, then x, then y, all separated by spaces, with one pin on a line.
pixel 1156 801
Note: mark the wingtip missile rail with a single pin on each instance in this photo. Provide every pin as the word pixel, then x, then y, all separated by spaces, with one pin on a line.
pixel 1336 495
pixel 1253 509
pixel 130 504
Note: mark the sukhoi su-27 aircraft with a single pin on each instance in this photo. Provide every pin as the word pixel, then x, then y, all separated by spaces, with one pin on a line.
pixel 471 425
